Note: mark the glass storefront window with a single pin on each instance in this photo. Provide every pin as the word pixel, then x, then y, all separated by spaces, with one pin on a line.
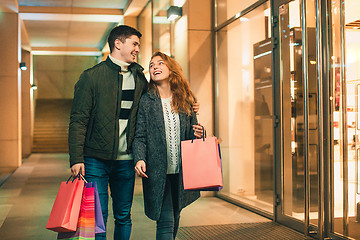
pixel 244 106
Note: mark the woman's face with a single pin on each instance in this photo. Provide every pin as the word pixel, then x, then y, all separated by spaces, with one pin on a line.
pixel 158 69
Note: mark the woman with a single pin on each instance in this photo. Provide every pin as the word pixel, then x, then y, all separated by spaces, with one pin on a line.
pixel 165 118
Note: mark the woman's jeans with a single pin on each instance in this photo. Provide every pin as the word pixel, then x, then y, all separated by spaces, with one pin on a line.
pixel 168 224
pixel 120 176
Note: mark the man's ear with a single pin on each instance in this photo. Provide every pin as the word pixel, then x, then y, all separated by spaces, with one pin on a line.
pixel 117 44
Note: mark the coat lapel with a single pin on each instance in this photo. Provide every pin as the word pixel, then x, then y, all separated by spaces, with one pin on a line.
pixel 158 116
pixel 182 117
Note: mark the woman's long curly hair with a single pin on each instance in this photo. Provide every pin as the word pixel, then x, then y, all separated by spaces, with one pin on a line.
pixel 182 96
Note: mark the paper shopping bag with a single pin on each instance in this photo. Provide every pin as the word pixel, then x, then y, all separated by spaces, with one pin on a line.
pixel 65 212
pixel 201 164
pixel 86 222
pixel 213 188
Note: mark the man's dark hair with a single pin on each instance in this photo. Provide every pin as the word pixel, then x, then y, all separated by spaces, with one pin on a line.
pixel 121 32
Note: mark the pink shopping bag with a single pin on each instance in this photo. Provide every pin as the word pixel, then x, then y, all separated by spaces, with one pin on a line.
pixel 201 164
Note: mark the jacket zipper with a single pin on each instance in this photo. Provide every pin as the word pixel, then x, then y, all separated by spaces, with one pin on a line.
pixel 129 120
pixel 115 148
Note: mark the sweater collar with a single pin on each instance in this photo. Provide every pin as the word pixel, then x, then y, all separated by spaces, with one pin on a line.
pixel 123 65
pixel 133 66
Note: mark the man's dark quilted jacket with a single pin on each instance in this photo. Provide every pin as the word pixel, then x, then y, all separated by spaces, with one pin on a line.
pixel 94 118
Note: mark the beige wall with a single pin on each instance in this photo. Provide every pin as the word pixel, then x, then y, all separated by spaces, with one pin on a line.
pixel 198 69
pixel 56 76
pixel 192 49
pixel 130 21
pixel 145 27
pixel 10 91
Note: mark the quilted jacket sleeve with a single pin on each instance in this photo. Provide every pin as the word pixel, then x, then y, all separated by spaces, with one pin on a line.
pixel 139 143
pixel 79 118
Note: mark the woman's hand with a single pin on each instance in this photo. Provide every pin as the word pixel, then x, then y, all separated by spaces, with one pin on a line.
pixel 198 130
pixel 140 168
pixel 196 108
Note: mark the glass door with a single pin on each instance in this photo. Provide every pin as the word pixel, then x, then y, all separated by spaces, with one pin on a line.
pixel 300 149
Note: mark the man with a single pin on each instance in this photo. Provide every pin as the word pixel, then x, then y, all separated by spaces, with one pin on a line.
pixel 102 125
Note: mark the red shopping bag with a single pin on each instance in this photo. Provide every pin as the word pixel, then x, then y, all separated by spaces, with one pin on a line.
pixel 65 212
pixel 201 164
pixel 86 222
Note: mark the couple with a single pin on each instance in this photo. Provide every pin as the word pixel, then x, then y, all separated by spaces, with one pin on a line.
pixel 118 119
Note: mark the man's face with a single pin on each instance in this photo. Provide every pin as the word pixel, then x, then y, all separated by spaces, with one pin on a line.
pixel 128 50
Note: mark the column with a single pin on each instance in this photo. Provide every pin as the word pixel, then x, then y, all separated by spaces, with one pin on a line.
pixel 192 49
pixel 10 87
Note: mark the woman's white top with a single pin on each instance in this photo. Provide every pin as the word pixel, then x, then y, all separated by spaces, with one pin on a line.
pixel 172 130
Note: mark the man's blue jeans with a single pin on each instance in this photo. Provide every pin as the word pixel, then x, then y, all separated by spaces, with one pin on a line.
pixel 120 176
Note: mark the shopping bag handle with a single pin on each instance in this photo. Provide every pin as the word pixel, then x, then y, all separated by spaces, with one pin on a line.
pixel 203 137
pixel 80 176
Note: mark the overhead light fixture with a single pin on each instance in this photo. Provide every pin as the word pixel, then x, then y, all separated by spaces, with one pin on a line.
pixel 33 87
pixel 174 12
pixel 23 66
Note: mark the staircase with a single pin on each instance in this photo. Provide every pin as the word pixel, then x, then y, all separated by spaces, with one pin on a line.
pixel 51 125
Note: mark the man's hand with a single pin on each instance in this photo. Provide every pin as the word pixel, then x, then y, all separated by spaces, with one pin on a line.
pixel 196 108
pixel 76 168
pixel 198 130
pixel 140 168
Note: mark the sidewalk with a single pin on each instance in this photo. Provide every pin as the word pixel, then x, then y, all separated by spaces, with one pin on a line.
pixel 26 200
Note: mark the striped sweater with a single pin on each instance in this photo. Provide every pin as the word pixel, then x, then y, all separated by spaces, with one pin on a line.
pixel 128 89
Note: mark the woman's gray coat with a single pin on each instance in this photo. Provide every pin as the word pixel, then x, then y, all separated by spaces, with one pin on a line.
pixel 150 145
